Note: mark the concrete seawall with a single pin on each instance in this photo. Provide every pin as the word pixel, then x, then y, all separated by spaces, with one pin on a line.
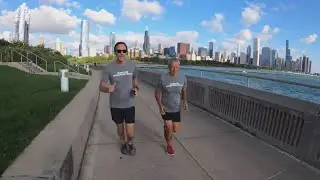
pixel 57 152
pixel 290 124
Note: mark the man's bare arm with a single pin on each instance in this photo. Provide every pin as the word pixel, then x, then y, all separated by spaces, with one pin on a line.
pixel 135 84
pixel 157 95
pixel 184 95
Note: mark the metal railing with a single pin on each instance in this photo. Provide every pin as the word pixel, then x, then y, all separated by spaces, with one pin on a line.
pixel 37 56
pixel 78 68
pixel 30 66
pixel 67 66
pixel 28 52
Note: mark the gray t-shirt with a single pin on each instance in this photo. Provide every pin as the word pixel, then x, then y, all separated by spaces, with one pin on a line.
pixel 171 89
pixel 123 76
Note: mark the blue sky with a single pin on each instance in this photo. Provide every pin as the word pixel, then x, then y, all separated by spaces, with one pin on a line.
pixel 226 22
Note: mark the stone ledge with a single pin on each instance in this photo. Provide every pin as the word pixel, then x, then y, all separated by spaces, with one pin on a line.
pixel 57 152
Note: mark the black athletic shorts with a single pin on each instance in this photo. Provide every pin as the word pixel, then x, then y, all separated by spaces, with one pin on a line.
pixel 173 116
pixel 120 115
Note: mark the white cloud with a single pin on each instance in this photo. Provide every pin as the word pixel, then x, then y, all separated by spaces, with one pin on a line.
pixel 59 2
pixel 309 39
pixel 177 2
pixel 6 19
pixel 5 35
pixel 51 20
pixel 212 40
pixel 44 19
pixel 283 7
pixel 73 4
pixel 252 14
pixel 135 9
pixel 267 33
pixel 243 38
pixel 67 3
pixel 215 24
pixel 100 17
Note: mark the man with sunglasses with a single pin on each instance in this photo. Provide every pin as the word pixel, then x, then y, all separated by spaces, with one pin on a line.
pixel 123 86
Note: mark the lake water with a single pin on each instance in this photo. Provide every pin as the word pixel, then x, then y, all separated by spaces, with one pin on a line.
pixel 295 91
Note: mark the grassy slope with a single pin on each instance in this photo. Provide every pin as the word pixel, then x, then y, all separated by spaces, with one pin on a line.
pixel 27 104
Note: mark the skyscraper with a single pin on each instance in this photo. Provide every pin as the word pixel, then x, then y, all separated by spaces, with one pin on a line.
pixel 288 58
pixel 112 41
pixel 22 24
pixel 146 43
pixel 273 58
pixel 266 57
pixel 160 51
pixel 249 55
pixel 211 49
pixel 256 52
pixel 84 39
pixel 182 49
pixel 58 45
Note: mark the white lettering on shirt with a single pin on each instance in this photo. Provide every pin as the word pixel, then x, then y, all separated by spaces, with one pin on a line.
pixel 123 73
pixel 174 85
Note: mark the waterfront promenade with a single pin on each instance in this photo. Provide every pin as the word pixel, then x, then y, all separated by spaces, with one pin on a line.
pixel 229 132
pixel 206 148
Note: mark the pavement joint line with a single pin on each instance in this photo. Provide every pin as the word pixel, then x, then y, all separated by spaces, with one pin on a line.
pixel 195 107
pixel 281 172
pixel 202 168
pixel 264 142
pixel 113 143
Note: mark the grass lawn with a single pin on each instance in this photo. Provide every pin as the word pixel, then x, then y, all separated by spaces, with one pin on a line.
pixel 27 104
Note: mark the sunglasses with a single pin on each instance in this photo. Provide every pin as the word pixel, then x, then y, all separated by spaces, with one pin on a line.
pixel 119 51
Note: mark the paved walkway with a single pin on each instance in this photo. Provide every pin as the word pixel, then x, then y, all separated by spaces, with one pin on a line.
pixel 206 148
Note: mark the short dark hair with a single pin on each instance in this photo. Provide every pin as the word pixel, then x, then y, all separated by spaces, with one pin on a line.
pixel 120 42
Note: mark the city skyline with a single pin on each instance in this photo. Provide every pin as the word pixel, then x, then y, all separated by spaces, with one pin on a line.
pixel 224 25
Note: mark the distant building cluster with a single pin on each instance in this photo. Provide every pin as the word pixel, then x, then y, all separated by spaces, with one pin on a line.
pixel 256 56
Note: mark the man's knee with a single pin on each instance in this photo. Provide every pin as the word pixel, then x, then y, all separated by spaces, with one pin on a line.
pixel 168 125
pixel 120 127
pixel 176 127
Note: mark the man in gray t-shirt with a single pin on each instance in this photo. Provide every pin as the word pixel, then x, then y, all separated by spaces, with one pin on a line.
pixel 170 89
pixel 121 77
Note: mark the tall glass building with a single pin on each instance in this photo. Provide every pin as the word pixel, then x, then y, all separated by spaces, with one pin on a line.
pixel 84 39
pixel 112 42
pixel 22 24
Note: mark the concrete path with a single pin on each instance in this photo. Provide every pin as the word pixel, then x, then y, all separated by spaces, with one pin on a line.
pixel 206 148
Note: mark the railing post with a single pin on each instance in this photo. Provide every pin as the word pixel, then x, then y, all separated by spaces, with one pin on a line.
pixel 54 66
pixel 11 56
pixel 46 66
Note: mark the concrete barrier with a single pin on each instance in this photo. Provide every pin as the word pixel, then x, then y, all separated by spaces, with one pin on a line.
pixel 292 125
pixel 57 152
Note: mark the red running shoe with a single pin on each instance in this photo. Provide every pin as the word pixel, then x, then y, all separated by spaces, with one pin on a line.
pixel 170 150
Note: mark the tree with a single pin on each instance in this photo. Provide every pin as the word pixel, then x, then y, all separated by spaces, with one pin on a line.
pixel 3 42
